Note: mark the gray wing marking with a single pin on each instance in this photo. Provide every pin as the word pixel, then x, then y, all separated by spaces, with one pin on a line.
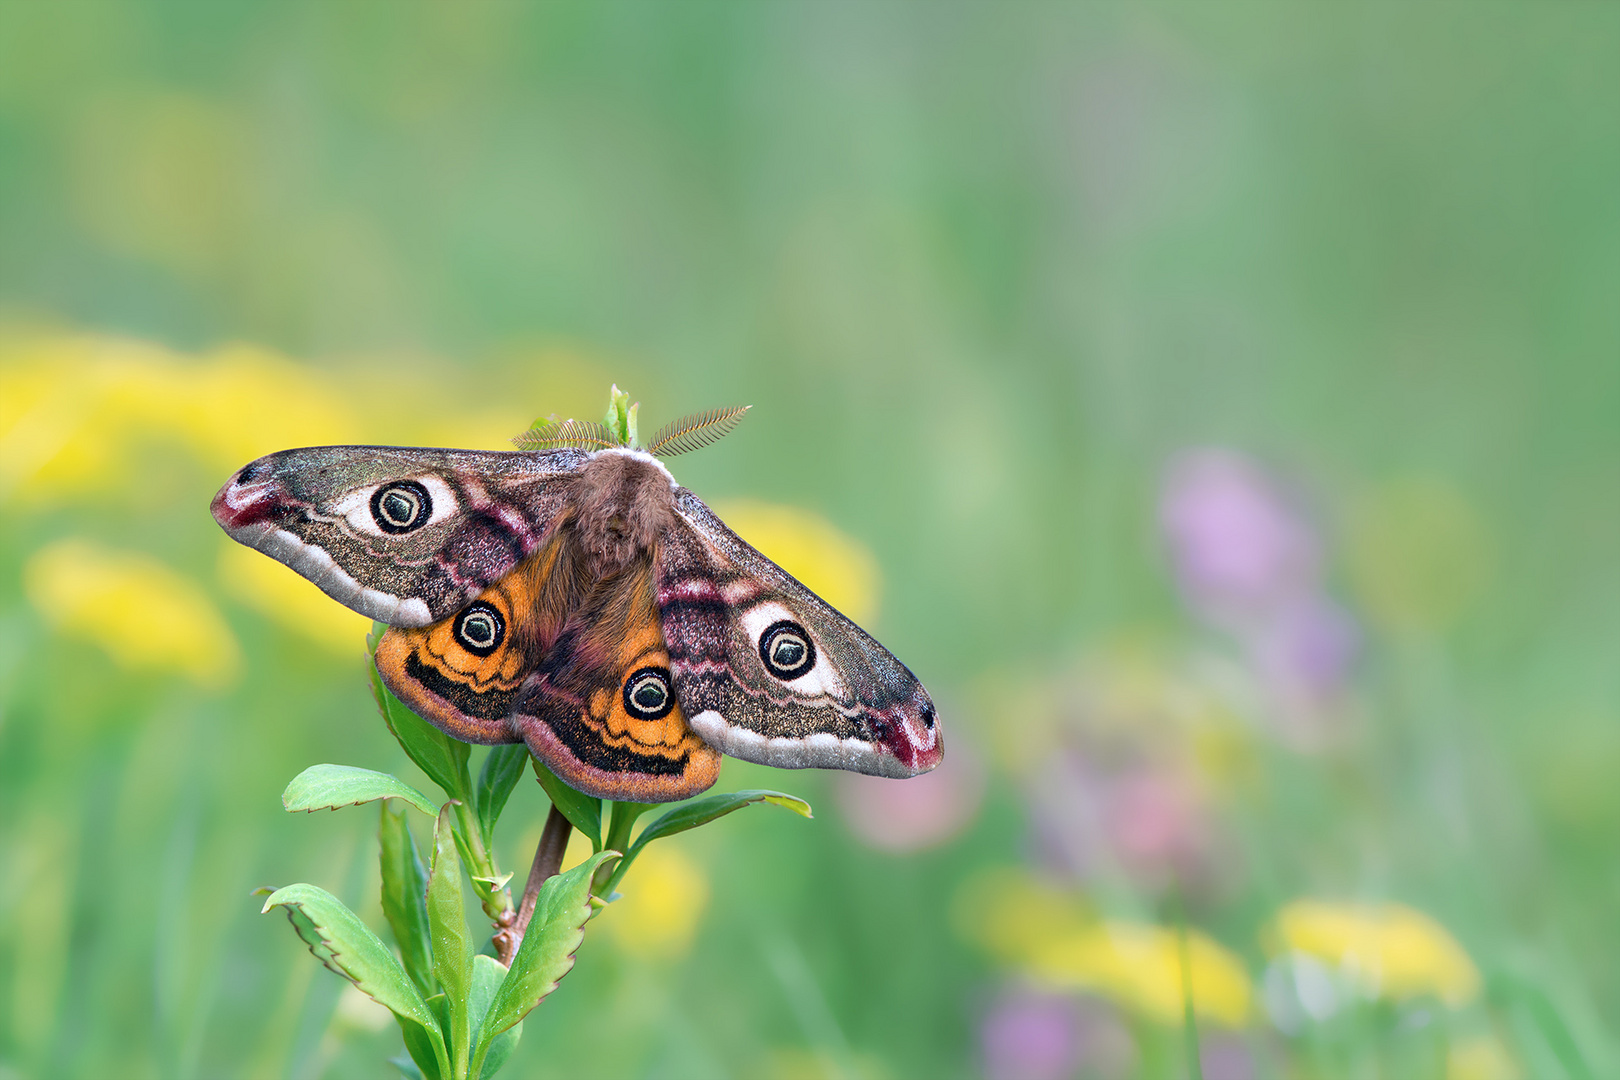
pixel 308 508
pixel 716 595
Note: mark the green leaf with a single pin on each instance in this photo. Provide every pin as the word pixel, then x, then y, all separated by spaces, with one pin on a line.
pixel 583 812
pixel 447 927
pixel 338 939
pixel 422 1064
pixel 444 759
pixel 547 953
pixel 691 815
pixel 621 417
pixel 488 974
pixel 439 1006
pixel 499 1050
pixel 503 767
pixel 404 897
pixel 327 787
pixel 622 818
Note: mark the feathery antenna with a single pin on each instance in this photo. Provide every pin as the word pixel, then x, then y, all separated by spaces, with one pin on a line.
pixel 692 432
pixel 561 434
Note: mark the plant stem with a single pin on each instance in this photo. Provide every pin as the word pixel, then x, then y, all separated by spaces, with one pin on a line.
pixel 497 902
pixel 548 857
pixel 624 815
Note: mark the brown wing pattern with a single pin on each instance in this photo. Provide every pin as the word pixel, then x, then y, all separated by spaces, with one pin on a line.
pixel 576 669
pixel 601 711
pixel 403 536
pixel 465 673
pixel 834 699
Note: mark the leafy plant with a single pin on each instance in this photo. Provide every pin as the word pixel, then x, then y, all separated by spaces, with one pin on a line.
pixel 460 1010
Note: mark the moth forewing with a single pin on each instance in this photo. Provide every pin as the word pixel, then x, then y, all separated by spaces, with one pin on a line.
pixel 769 672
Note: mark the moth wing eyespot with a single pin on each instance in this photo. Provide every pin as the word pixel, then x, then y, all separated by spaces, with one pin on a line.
pixel 647 694
pixel 786 650
pixel 480 629
pixel 401 507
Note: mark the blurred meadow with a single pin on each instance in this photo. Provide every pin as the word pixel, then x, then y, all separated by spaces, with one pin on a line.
pixel 1217 406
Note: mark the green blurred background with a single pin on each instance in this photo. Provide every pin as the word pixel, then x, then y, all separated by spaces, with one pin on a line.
pixel 1218 406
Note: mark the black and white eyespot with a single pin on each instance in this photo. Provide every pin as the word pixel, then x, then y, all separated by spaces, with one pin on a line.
pixel 396 508
pixel 647 694
pixel 401 507
pixel 787 650
pixel 480 629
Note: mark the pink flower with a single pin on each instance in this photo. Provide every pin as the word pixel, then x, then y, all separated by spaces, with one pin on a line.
pixel 1036 1035
pixel 1308 648
pixel 1030 1036
pixel 1249 562
pixel 1239 546
pixel 1146 819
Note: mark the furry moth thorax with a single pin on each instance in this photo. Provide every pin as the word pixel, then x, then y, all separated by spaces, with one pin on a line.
pixel 576 598
pixel 625 500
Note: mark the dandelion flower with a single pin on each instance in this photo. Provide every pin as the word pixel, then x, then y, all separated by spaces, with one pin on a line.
pixel 1385 950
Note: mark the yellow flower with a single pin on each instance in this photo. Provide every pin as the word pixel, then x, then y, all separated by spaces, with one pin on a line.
pixel 291 600
pixel 833 566
pixel 665 893
pixel 71 406
pixel 1139 965
pixel 1386 950
pixel 144 614
pixel 1049 935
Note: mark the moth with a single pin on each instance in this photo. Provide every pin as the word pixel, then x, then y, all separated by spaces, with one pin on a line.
pixel 572 596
